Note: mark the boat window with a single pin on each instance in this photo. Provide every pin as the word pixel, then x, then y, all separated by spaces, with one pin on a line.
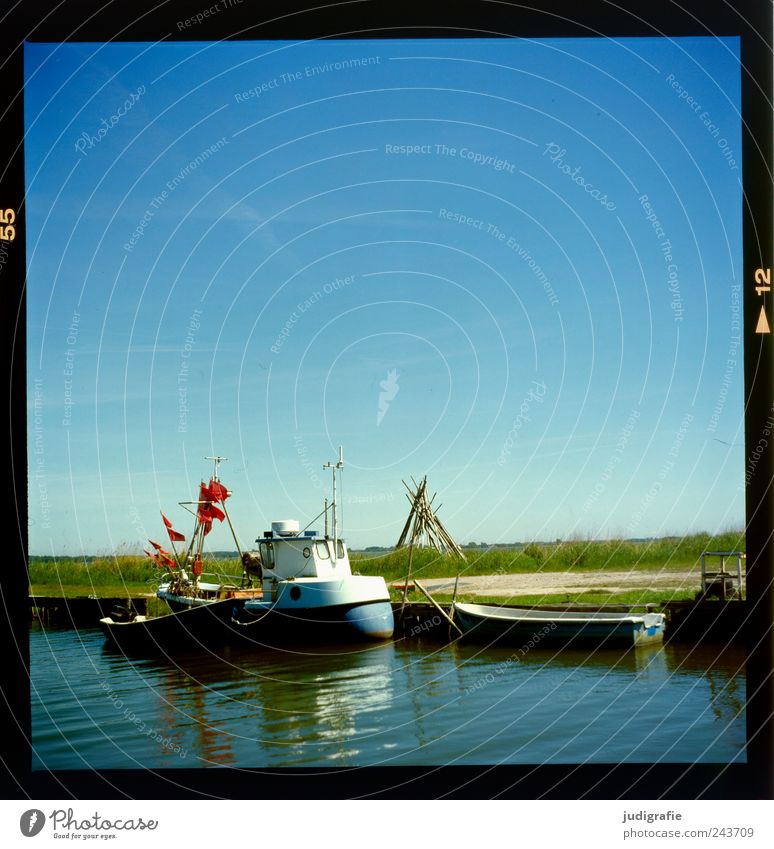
pixel 340 551
pixel 322 550
pixel 267 554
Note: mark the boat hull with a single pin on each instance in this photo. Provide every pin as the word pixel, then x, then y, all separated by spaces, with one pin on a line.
pixel 529 628
pixel 204 627
pixel 355 607
pixel 355 621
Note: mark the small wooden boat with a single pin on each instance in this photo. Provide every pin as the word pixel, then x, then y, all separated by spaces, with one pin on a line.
pixel 180 593
pixel 206 626
pixel 529 628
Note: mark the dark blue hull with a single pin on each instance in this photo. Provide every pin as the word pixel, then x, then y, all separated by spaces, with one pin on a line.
pixel 355 621
pixel 195 628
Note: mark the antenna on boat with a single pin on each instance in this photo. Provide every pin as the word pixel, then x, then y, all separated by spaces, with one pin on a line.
pixel 218 461
pixel 333 467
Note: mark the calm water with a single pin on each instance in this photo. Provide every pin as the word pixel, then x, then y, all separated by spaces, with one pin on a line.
pixel 401 703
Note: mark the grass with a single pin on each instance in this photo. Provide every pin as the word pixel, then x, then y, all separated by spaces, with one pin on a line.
pixel 680 553
pixel 121 575
pixel 128 574
pixel 625 599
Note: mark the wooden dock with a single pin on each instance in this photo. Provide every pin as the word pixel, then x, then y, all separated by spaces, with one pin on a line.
pixel 80 611
pixel 706 621
pixel 687 621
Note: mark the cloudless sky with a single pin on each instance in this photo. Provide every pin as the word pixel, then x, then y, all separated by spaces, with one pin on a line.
pixel 434 253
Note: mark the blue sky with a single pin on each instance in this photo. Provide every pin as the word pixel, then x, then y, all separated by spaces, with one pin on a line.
pixel 513 266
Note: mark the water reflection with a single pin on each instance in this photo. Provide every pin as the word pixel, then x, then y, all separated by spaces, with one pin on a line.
pixel 304 704
pixel 392 703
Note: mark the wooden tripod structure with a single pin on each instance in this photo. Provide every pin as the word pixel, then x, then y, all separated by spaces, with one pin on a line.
pixel 423 528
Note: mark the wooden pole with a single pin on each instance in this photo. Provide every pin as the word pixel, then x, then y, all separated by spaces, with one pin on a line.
pixel 408 578
pixel 438 607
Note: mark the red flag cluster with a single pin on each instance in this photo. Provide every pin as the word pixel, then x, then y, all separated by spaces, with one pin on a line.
pixel 161 557
pixel 208 497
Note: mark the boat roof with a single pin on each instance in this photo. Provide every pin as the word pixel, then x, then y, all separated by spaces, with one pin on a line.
pixel 314 536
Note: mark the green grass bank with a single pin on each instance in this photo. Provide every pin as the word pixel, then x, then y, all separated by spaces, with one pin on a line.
pixel 132 574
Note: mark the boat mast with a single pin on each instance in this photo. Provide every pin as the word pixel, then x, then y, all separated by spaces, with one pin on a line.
pixel 333 467
pixel 218 461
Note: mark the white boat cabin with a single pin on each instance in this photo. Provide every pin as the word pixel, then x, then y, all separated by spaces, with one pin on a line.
pixel 288 553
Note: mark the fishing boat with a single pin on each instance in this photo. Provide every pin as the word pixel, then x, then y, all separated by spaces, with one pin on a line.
pixel 529 627
pixel 183 586
pixel 309 589
pixel 206 626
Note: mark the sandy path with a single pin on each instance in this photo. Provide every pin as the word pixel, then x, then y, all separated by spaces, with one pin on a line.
pixel 568 582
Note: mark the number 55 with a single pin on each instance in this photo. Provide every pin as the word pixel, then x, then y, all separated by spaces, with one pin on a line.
pixel 7 217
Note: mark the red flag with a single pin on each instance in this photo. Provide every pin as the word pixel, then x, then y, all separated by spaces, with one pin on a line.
pixel 218 491
pixel 167 560
pixel 162 556
pixel 174 536
pixel 207 509
pixel 161 559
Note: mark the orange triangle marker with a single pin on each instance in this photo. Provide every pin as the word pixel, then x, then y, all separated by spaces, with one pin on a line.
pixel 763 323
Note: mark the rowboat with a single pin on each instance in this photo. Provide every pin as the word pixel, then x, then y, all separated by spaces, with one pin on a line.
pixel 194 628
pixel 180 592
pixel 529 627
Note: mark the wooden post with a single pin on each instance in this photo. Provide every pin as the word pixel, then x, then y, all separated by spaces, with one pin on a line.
pixel 439 608
pixel 408 578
